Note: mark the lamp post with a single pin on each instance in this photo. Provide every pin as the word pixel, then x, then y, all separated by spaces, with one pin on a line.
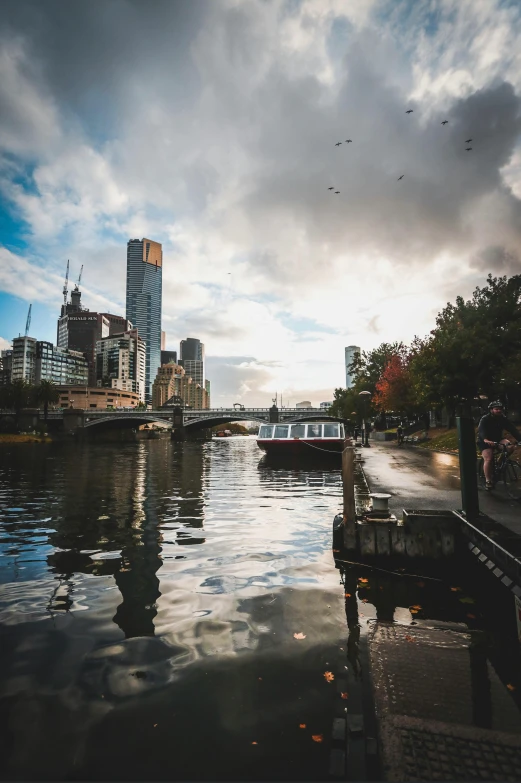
pixel 365 435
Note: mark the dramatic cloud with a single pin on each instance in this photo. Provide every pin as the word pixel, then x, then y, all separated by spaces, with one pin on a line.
pixel 211 127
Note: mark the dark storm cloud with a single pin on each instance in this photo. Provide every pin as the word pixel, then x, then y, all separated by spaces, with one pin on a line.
pixel 97 55
pixel 497 260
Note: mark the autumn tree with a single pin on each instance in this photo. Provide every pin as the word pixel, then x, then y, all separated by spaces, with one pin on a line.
pixel 394 389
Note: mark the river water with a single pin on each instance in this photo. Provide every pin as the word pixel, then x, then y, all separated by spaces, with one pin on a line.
pixel 150 597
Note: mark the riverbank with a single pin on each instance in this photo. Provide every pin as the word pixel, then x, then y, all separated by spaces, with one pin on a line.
pixel 24 438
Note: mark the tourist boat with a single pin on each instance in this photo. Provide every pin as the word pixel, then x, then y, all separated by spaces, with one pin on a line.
pixel 307 439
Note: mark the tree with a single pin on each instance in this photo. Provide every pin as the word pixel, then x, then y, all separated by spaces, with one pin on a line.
pixel 395 390
pixel 17 395
pixel 47 393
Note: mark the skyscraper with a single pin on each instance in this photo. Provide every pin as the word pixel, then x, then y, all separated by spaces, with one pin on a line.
pixel 144 289
pixel 192 359
pixel 351 350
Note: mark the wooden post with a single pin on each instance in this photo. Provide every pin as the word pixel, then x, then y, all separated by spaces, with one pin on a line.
pixel 348 486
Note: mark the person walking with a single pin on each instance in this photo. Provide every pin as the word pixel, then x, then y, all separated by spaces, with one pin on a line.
pixel 490 431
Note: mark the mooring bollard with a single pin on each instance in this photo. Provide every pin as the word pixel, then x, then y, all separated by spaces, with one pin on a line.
pixel 348 486
pixel 467 466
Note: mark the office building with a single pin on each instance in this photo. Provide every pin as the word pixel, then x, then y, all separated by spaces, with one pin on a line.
pixel 120 363
pixel 325 404
pixel 351 351
pixel 24 359
pixel 172 380
pixel 60 365
pixel 304 404
pixel 143 309
pixel 192 359
pixel 163 341
pixel 207 389
pixel 84 329
pixel 168 356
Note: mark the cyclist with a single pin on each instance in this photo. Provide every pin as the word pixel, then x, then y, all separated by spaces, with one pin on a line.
pixel 490 432
pixel 399 434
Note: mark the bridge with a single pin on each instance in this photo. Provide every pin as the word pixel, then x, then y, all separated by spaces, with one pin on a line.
pixel 178 418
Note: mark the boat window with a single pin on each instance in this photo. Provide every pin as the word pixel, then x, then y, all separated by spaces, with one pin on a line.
pixel 265 431
pixel 331 431
pixel 298 430
pixel 281 431
pixel 314 430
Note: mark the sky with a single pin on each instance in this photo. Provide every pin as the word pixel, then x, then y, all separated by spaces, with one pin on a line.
pixel 211 127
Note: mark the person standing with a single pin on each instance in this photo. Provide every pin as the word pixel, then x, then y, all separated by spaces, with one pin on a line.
pixel 490 431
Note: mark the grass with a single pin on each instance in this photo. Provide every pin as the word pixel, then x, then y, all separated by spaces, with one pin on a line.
pixel 441 439
pixel 19 438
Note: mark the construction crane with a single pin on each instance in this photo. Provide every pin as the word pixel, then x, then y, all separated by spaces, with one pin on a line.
pixel 28 322
pixel 79 278
pixel 66 284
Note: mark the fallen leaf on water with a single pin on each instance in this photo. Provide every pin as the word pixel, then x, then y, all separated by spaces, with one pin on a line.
pixel 466 600
pixel 329 676
pixel 456 589
pixel 511 687
pixel 364 581
pixel 471 616
pixel 409 638
pixel 344 695
pixel 302 725
pixel 317 737
pixel 299 635
pixel 348 595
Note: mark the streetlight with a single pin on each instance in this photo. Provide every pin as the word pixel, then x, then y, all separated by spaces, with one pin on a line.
pixel 365 434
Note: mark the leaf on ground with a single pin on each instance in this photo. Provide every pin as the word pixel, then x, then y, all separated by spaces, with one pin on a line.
pixel 416 606
pixel 413 611
pixel 456 589
pixel 302 725
pixel 299 635
pixel 511 687
pixel 363 581
pixel 329 676
pixel 254 743
pixel 260 678
pixel 155 724
pixel 364 600
pixel 344 695
pixel 467 600
pixel 317 737
pixel 409 638
pixel 348 595
pixel 336 550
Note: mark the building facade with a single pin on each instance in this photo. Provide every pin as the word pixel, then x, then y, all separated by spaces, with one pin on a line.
pixel 192 359
pixel 60 365
pixel 120 363
pixel 168 356
pixel 6 366
pixel 143 307
pixel 172 380
pixel 24 359
pixel 86 397
pixel 350 353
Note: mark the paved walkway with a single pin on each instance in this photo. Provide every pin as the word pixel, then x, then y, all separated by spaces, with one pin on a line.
pixel 421 479
pixel 443 712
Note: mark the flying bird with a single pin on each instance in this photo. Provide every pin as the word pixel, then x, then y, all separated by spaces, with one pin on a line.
pixel 332 187
pixel 338 144
pixel 467 141
pixel 467 149
pixel 399 178
pixel 444 122
pixel 337 192
pixel 409 111
pixel 348 141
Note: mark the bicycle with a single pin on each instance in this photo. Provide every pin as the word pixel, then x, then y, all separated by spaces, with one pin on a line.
pixel 505 468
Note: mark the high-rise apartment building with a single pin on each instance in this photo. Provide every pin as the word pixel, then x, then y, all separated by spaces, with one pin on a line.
pixel 120 363
pixel 172 380
pixel 144 292
pixel 192 359
pixel 60 365
pixel 23 365
pixel 351 350
pixel 168 356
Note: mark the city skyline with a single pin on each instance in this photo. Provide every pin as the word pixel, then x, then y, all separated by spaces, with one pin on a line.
pixel 229 161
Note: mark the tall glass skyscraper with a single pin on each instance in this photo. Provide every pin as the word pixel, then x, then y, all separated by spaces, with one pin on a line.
pixel 192 359
pixel 144 290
